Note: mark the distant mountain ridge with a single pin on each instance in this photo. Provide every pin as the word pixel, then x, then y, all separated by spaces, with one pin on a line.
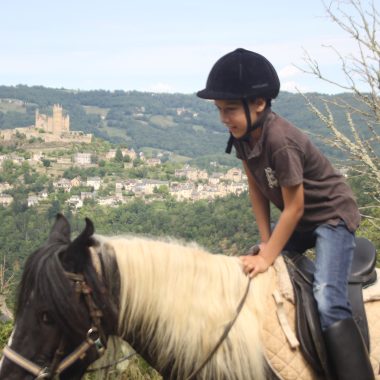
pixel 179 123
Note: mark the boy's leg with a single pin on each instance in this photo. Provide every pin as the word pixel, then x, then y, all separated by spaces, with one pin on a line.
pixel 334 250
pixel 300 241
pixel 345 346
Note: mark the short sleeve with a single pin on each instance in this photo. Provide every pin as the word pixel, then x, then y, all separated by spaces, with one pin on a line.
pixel 288 164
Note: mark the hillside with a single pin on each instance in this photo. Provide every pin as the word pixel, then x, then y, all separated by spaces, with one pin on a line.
pixel 179 123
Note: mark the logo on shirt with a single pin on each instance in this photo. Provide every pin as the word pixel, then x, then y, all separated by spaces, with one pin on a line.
pixel 271 177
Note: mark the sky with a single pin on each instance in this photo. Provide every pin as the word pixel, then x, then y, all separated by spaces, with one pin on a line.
pixel 161 45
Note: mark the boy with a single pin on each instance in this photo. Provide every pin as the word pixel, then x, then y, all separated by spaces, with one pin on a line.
pixel 317 206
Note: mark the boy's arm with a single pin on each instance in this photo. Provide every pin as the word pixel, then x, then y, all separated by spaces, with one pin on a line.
pixel 293 198
pixel 260 206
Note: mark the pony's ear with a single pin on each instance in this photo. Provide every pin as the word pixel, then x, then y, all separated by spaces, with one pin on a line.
pixel 75 256
pixel 60 232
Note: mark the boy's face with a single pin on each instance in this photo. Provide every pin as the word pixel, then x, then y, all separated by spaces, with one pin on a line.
pixel 232 114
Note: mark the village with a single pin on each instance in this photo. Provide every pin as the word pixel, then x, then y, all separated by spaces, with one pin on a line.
pixel 188 183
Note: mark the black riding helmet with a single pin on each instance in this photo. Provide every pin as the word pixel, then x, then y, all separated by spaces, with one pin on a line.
pixel 241 75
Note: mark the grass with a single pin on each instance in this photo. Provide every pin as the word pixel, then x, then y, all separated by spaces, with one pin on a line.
pixel 96 110
pixel 11 107
pixel 162 121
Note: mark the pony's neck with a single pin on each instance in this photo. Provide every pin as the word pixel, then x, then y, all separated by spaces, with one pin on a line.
pixel 175 301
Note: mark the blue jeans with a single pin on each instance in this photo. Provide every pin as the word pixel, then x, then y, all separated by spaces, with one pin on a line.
pixel 334 248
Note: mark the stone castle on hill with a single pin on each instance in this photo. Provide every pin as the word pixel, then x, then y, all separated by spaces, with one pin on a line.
pixel 57 124
pixel 49 129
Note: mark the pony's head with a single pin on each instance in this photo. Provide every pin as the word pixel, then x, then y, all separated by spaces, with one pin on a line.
pixel 64 313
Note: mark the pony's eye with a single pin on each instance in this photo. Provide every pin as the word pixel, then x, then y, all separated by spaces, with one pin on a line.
pixel 46 318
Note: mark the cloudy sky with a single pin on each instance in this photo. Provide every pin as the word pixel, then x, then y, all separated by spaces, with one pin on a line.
pixel 160 45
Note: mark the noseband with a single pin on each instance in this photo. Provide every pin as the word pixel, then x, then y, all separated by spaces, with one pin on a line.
pixel 95 337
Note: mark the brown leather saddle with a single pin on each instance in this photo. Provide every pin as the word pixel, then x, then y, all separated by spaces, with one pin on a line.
pixel 301 270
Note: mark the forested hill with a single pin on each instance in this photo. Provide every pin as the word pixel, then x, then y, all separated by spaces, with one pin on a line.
pixel 179 123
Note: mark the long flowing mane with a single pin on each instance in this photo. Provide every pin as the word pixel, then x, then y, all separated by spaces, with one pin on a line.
pixel 180 298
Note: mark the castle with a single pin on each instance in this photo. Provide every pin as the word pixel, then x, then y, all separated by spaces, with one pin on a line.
pixel 56 125
pixel 49 129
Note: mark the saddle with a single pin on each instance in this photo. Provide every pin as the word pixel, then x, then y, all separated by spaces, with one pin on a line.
pixel 309 333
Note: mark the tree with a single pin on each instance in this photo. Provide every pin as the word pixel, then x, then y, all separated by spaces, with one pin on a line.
pixel 46 163
pixel 119 155
pixel 360 142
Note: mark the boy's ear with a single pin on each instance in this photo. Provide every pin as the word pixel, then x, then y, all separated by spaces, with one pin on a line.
pixel 260 104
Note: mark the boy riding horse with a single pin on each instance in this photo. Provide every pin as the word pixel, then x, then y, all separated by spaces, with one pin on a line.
pixel 317 207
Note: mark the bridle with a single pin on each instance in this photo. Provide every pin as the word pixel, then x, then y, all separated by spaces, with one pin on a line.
pixel 95 337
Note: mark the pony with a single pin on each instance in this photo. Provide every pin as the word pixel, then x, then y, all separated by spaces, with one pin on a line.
pixel 189 313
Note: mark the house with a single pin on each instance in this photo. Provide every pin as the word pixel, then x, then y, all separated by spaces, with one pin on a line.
pixel 64 161
pixel 130 153
pixel 237 187
pixel 153 162
pixel 108 201
pixel 37 157
pixel 5 200
pixel 191 173
pixel 63 183
pixel 76 182
pixel 111 154
pixel 182 191
pixel 234 175
pixel 3 157
pixel 149 185
pixel 215 178
pixel 43 194
pixel 119 186
pixel 82 158
pixel 75 201
pixel 32 200
pixel 94 182
pixel 4 186
pixel 18 160
pixel 86 195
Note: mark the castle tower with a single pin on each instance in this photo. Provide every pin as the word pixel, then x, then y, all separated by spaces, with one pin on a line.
pixel 41 121
pixel 57 124
pixel 57 119
pixel 66 124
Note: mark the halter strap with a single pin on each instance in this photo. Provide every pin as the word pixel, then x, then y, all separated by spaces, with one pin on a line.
pixel 39 371
pixel 22 362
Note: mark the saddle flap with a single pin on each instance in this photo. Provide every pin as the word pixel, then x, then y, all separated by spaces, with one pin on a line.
pixel 364 261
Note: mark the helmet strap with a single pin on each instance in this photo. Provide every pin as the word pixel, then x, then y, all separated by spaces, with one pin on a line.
pixel 250 127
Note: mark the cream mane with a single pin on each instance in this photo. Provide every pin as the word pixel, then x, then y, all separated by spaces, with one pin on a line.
pixel 181 298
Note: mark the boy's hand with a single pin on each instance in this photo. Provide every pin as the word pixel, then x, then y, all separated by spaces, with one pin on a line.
pixel 252 265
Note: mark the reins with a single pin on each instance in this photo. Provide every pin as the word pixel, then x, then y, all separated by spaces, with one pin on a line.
pixel 226 331
pixel 115 362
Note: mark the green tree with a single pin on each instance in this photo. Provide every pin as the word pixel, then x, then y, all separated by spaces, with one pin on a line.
pixel 119 155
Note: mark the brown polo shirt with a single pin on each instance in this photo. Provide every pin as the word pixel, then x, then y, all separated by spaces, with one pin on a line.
pixel 285 156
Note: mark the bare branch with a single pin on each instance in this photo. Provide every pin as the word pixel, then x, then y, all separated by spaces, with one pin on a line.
pixel 359 137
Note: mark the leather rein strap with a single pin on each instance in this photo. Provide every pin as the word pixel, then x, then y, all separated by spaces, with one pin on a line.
pixel 225 333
